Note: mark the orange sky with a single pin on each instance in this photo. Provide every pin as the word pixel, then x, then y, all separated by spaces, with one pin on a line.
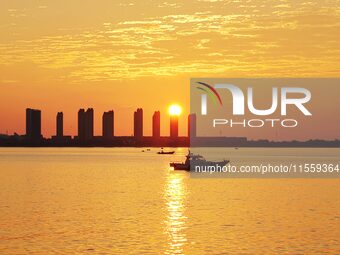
pixel 63 55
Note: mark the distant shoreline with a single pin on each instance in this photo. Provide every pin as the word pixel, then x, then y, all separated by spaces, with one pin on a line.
pixel 89 146
pixel 156 142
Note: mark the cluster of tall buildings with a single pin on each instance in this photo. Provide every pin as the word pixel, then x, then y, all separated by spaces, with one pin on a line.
pixel 86 125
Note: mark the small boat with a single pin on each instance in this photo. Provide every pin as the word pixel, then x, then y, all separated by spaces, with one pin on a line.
pixel 198 160
pixel 165 152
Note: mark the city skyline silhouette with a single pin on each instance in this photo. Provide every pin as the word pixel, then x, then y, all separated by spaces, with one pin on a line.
pixel 86 137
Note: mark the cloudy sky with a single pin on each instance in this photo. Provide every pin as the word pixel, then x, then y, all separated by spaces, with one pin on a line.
pixel 66 54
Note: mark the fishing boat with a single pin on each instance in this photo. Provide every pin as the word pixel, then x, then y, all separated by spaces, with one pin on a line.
pixel 165 152
pixel 196 160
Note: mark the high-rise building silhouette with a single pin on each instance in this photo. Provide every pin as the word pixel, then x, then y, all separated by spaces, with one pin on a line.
pixel 81 124
pixel 108 124
pixel 173 126
pixel 60 125
pixel 138 123
pixel 85 124
pixel 89 124
pixel 156 124
pixel 192 125
pixel 33 123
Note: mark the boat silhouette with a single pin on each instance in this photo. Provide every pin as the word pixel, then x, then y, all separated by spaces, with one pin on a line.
pixel 193 160
pixel 165 152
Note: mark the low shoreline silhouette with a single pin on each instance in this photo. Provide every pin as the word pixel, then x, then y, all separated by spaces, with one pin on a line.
pixel 149 141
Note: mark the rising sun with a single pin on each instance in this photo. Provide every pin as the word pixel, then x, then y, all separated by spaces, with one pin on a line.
pixel 175 110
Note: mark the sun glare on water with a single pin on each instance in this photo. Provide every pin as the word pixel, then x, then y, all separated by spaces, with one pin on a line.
pixel 175 110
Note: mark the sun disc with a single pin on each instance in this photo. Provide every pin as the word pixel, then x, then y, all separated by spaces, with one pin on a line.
pixel 175 110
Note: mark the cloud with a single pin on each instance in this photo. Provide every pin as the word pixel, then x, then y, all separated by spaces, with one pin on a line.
pixel 284 40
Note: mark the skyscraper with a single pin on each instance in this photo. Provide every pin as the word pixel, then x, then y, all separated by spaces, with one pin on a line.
pixel 192 125
pixel 108 124
pixel 85 124
pixel 89 124
pixel 156 124
pixel 81 124
pixel 60 124
pixel 138 123
pixel 173 126
pixel 33 123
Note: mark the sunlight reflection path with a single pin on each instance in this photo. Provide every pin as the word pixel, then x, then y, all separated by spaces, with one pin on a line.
pixel 175 196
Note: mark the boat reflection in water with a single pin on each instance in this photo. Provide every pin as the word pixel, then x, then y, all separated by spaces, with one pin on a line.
pixel 175 223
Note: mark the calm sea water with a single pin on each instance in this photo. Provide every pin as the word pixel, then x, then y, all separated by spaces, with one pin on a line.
pixel 124 201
